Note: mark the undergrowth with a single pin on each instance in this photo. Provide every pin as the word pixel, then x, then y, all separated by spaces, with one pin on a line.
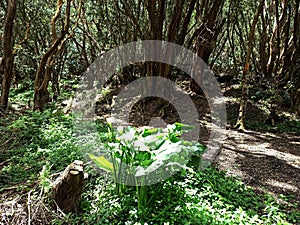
pixel 205 197
pixel 33 140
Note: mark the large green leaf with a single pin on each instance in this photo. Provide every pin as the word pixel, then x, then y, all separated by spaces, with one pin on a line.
pixel 102 163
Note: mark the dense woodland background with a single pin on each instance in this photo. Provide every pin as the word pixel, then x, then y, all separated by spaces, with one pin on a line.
pixel 253 47
pixel 46 43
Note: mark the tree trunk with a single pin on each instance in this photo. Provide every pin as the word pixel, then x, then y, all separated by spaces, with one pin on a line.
pixel 67 188
pixel 240 124
pixel 296 102
pixel 207 33
pixel 205 39
pixel 44 71
pixel 8 56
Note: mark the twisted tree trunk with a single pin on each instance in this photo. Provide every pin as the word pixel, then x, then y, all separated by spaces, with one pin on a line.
pixel 240 124
pixel 8 55
pixel 44 71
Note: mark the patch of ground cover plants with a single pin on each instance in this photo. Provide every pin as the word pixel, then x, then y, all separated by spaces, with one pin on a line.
pixel 33 140
pixel 205 197
pixel 257 117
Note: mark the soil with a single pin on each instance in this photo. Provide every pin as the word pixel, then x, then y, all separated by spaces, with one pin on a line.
pixel 267 161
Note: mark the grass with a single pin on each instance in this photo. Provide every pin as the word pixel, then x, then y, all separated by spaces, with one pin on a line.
pixel 33 140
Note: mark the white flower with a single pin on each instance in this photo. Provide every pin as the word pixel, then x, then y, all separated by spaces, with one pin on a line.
pixel 141 145
pixel 127 136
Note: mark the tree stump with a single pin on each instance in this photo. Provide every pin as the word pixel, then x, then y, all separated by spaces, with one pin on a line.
pixel 67 189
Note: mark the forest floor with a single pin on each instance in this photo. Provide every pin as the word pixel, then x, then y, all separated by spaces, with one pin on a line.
pixel 262 156
pixel 266 161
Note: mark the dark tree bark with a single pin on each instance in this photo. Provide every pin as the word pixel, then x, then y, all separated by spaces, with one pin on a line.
pixel 186 22
pixel 8 55
pixel 205 38
pixel 279 51
pixel 43 74
pixel 296 102
pixel 207 33
pixel 240 124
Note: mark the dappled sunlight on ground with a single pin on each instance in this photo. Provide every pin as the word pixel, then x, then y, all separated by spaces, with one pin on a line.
pixel 263 160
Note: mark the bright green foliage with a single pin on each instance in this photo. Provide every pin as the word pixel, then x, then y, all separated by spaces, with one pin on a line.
pixel 102 163
pixel 148 149
pixel 35 145
pixel 36 139
pixel 206 197
pixel 144 156
pixel 45 182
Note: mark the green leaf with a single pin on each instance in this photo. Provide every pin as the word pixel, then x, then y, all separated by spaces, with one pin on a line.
pixel 140 156
pixel 102 163
pixel 173 137
pixel 167 150
pixel 148 132
pixel 146 163
pixel 184 127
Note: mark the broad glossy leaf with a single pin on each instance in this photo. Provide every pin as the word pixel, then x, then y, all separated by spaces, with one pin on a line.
pixel 102 163
pixel 173 137
pixel 146 163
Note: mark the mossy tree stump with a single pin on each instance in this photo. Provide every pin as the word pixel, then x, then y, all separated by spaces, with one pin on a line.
pixel 67 189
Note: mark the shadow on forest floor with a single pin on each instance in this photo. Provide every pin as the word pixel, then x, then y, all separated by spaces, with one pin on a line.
pixel 267 161
pixel 264 157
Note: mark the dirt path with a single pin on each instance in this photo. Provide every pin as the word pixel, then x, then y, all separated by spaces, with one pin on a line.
pixel 268 162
